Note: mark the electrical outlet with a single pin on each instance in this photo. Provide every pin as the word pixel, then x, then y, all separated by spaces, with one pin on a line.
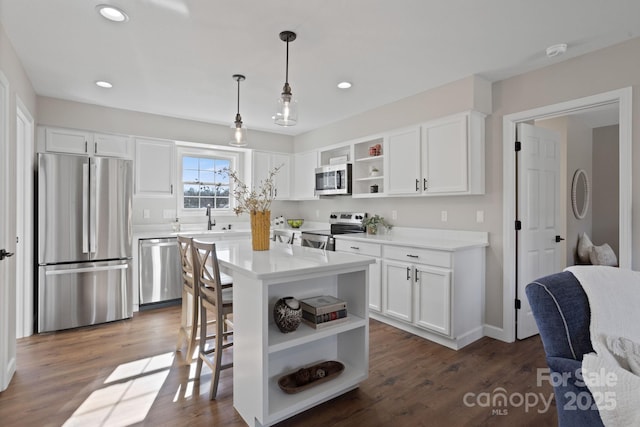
pixel 146 214
pixel 168 213
pixel 480 217
pixel 443 216
pixel 394 214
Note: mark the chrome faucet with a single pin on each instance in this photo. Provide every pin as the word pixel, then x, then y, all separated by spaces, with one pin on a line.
pixel 210 224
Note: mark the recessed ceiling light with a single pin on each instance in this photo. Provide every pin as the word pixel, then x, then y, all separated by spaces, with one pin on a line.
pixel 104 84
pixel 112 13
pixel 344 85
pixel 556 49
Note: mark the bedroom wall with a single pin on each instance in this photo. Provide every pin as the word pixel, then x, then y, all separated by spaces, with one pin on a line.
pixel 605 186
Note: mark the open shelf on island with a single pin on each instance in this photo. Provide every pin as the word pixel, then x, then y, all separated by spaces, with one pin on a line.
pixel 279 341
pixel 280 402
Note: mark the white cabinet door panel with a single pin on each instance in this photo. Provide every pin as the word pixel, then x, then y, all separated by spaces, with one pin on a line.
pixel 398 288
pixel 433 299
pixel 403 153
pixel 111 145
pixel 66 141
pixel 444 156
pixel 154 168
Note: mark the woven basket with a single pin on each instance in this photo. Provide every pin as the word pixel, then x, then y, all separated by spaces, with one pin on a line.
pixel 260 225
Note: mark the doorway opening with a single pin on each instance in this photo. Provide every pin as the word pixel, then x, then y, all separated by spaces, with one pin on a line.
pixel 622 98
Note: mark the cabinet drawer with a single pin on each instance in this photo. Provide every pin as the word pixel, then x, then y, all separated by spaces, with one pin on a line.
pixel 362 248
pixel 419 255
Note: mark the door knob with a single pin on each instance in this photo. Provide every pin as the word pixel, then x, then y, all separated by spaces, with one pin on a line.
pixel 559 239
pixel 4 254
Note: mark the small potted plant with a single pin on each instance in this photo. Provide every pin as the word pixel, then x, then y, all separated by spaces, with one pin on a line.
pixel 374 222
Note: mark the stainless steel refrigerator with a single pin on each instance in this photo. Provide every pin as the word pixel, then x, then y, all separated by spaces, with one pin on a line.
pixel 84 241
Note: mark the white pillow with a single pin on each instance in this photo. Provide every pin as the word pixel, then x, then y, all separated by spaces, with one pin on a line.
pixel 584 248
pixel 603 255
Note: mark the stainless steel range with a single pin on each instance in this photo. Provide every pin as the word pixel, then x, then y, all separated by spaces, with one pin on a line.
pixel 340 223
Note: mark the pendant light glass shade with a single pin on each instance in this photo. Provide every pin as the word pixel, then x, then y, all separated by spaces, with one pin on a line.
pixel 238 130
pixel 287 109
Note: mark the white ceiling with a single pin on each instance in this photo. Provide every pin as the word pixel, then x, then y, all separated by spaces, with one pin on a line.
pixel 176 57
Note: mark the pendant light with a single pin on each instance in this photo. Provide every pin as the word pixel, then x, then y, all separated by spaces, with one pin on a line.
pixel 238 131
pixel 287 112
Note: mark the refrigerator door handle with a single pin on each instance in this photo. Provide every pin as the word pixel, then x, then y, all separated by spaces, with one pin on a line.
pixel 86 270
pixel 85 208
pixel 92 206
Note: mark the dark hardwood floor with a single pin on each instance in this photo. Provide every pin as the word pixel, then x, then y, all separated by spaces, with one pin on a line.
pixel 127 373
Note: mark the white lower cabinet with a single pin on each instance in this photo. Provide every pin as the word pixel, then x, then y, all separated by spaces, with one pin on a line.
pixel 418 294
pixel 437 294
pixel 373 250
pixel 432 302
pixel 398 290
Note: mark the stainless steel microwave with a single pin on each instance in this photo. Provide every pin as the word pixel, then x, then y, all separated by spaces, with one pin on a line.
pixel 333 179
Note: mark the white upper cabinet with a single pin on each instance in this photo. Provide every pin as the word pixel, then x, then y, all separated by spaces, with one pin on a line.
pixel 111 145
pixel 303 179
pixel 154 168
pixel 263 162
pixel 440 157
pixel 403 170
pixel 59 140
pixel 67 141
pixel 451 151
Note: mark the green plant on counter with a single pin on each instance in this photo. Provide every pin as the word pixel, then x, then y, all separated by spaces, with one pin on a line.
pixel 374 222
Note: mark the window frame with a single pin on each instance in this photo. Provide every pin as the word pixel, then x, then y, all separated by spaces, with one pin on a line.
pixel 181 152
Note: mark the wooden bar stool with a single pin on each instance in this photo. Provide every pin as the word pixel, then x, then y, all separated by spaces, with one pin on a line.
pixel 216 300
pixel 190 323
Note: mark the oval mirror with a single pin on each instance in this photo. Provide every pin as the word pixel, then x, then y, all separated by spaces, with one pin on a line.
pixel 580 193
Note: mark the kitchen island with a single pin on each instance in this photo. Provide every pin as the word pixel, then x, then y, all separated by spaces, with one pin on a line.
pixel 262 354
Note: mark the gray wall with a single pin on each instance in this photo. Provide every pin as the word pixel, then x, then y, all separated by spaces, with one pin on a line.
pixel 605 187
pixel 605 70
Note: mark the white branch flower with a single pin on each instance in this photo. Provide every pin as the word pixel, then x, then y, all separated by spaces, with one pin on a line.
pixel 253 199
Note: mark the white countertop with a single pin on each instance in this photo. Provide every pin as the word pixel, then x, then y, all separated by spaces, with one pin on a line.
pixel 443 240
pixel 281 260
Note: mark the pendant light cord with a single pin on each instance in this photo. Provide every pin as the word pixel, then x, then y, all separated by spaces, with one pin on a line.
pixel 238 80
pixel 286 76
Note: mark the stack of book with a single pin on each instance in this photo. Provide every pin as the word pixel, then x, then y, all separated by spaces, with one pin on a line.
pixel 322 311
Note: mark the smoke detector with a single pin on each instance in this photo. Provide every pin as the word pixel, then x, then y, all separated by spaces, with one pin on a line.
pixel 556 49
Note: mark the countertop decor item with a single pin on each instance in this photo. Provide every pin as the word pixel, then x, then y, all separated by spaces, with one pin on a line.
pixel 257 203
pixel 305 378
pixel 295 223
pixel 373 223
pixel 287 314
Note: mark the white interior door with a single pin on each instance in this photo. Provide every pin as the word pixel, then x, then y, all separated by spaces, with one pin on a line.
pixel 7 294
pixel 24 220
pixel 538 210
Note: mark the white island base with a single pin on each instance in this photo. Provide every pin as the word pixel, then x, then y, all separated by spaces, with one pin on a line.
pixel 262 354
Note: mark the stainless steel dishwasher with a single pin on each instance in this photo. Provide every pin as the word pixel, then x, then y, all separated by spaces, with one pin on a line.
pixel 160 271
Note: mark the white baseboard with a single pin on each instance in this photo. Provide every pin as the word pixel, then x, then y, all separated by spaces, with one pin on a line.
pixel 495 333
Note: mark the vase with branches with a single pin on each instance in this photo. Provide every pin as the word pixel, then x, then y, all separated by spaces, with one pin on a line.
pixel 257 203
